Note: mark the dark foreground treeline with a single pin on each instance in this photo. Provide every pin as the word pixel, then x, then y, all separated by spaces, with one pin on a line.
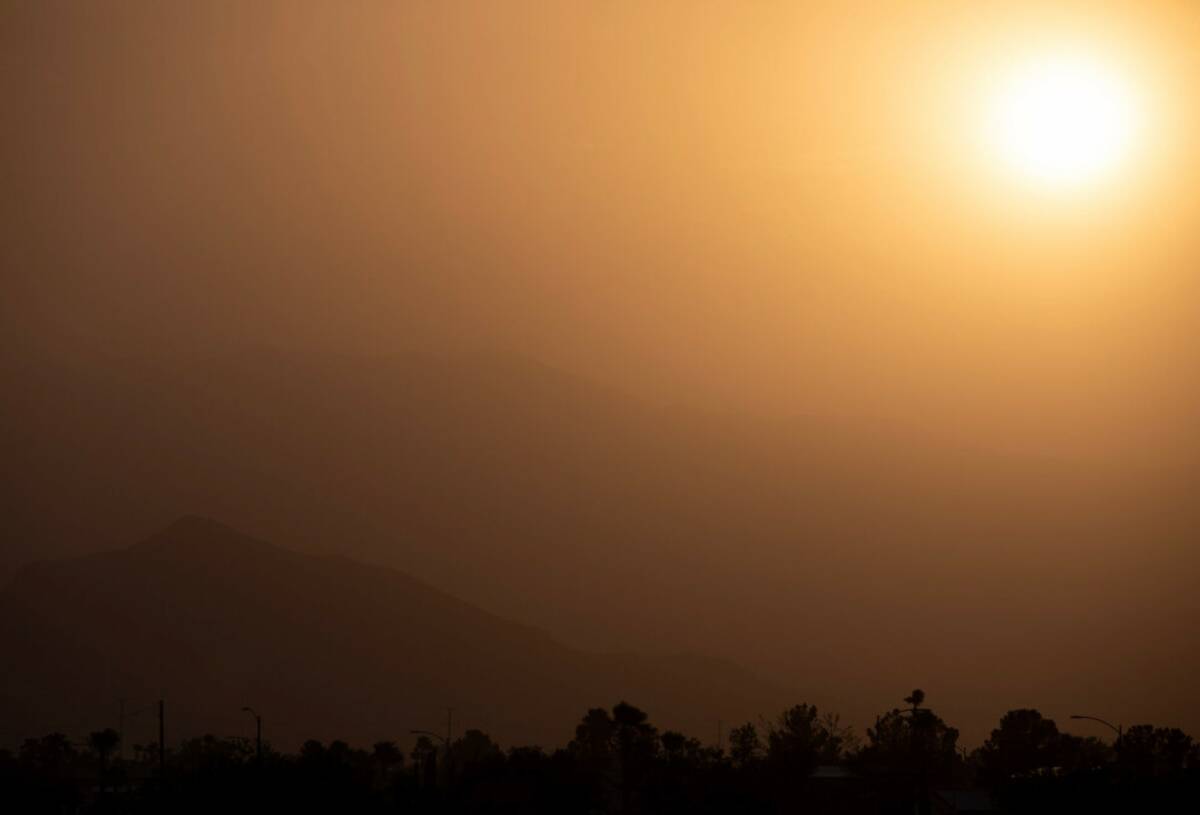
pixel 617 762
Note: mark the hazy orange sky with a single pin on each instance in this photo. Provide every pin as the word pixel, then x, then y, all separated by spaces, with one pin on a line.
pixel 779 207
pixel 776 209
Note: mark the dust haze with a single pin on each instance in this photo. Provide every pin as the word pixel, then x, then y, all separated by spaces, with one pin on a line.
pixel 663 330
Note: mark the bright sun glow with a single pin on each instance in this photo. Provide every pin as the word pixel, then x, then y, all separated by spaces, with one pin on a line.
pixel 1062 122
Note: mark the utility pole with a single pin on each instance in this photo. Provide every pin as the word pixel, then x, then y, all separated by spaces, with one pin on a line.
pixel 449 741
pixel 257 733
pixel 121 730
pixel 162 742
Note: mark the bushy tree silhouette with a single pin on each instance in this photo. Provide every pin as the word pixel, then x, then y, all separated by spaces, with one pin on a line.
pixel 904 741
pixel 915 748
pixel 618 763
pixel 1024 744
pixel 1157 751
pixel 474 750
pixel 800 739
pixel 745 747
pixel 616 750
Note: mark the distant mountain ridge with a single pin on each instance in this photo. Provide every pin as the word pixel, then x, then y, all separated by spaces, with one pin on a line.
pixel 323 646
pixel 618 525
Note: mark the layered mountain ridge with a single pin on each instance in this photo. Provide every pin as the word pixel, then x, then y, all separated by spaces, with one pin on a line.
pixel 323 646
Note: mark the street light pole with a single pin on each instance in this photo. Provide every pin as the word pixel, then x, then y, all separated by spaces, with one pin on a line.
pixel 257 734
pixel 162 740
pixel 445 743
pixel 1116 728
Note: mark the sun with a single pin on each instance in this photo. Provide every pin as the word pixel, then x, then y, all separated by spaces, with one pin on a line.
pixel 1062 121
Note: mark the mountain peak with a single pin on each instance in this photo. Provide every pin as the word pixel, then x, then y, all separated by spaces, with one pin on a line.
pixel 192 524
pixel 341 649
pixel 198 533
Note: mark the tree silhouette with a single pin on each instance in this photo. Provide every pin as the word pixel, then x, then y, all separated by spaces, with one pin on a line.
pixel 593 737
pixel 387 759
pixel 102 743
pixel 619 763
pixel 1157 751
pixel 49 763
pixel 913 744
pixel 683 751
pixel 899 740
pixel 616 750
pixel 636 738
pixel 1024 744
pixel 800 739
pixel 1081 753
pixel 474 749
pixel 52 754
pixel 424 757
pixel 744 745
pixel 386 754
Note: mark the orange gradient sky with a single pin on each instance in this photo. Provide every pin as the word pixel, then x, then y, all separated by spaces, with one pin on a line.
pixel 756 210
pixel 779 207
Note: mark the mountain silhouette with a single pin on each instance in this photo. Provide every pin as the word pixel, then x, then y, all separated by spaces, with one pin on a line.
pixel 614 524
pixel 323 646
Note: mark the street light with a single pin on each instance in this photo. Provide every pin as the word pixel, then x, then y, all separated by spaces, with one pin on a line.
pixel 257 733
pixel 1116 728
pixel 445 743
